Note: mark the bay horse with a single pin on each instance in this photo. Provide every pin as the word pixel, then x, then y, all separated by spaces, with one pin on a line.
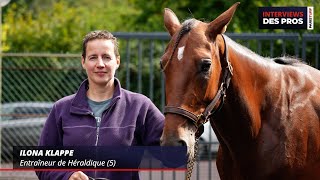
pixel 265 112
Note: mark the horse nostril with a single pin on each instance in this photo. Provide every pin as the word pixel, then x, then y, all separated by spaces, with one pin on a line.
pixel 182 143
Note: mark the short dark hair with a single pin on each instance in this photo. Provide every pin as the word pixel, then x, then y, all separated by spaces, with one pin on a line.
pixel 99 34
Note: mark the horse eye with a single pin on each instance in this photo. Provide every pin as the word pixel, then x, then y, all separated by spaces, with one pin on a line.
pixel 205 65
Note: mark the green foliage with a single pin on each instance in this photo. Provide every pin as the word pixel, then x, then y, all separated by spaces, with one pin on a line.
pixel 59 27
pixel 244 20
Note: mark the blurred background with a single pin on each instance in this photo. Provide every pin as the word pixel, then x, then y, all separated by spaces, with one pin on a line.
pixel 40 60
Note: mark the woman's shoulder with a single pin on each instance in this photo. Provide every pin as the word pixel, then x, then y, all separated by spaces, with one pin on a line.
pixel 65 101
pixel 129 95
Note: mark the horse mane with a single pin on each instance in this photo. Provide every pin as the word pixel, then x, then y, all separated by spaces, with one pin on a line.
pixel 287 60
pixel 284 60
pixel 188 24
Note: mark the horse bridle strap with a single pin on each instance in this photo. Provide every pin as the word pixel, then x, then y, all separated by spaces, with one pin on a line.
pixel 199 120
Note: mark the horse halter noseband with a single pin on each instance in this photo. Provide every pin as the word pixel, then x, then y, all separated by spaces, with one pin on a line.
pixel 200 119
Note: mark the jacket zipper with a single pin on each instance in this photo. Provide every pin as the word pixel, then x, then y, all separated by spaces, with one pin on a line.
pixel 99 121
pixel 97 136
pixel 98 127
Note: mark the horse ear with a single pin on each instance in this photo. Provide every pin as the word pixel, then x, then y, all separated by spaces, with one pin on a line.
pixel 219 25
pixel 171 21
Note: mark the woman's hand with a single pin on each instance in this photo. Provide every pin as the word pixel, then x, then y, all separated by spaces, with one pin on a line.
pixel 79 175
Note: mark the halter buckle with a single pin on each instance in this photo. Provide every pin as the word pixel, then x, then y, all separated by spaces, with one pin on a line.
pixel 199 116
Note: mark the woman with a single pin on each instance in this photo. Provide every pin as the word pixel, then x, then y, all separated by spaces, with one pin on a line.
pixel 101 113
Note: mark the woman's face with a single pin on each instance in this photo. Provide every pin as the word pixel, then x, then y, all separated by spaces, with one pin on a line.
pixel 100 62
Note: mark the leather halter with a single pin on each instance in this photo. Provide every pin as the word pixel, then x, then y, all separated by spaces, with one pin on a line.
pixel 199 119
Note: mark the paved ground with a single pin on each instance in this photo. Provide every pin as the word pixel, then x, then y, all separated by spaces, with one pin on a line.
pixel 204 170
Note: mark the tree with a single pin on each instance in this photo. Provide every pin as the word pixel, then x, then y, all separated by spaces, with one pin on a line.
pixel 58 27
pixel 244 20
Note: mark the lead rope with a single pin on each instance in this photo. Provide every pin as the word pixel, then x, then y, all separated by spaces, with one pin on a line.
pixel 191 162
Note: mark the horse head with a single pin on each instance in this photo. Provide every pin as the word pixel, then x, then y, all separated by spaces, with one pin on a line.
pixel 194 67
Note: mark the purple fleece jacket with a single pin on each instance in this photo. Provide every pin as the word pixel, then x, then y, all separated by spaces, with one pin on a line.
pixel 131 119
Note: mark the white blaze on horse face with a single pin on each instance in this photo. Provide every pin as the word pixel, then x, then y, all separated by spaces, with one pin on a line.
pixel 180 53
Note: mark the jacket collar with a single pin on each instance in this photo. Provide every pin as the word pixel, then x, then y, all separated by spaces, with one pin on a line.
pixel 79 104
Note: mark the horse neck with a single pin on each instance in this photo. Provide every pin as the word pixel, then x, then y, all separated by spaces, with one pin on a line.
pixel 239 120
